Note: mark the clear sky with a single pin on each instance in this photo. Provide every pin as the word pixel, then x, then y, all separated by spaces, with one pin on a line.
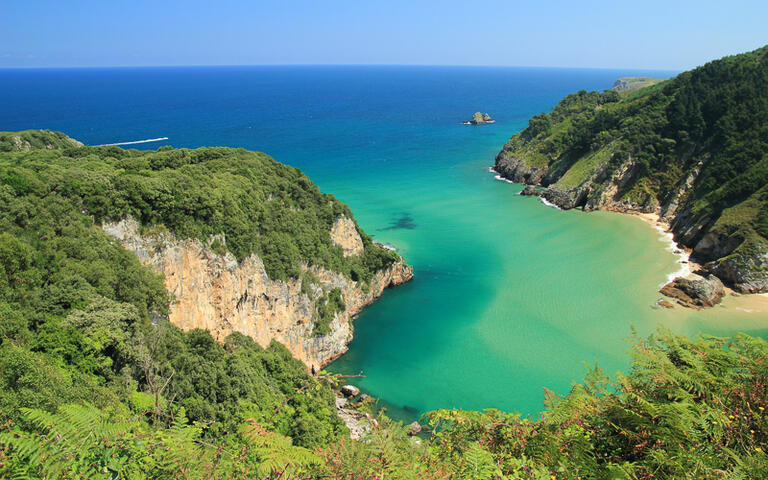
pixel 649 34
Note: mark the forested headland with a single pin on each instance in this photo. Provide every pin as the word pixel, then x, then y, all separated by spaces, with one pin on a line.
pixel 692 149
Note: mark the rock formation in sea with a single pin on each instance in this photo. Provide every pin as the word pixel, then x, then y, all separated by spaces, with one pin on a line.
pixel 214 291
pixel 479 118
pixel 695 291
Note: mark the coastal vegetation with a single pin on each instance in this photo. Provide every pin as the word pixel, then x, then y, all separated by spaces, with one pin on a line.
pixel 96 383
pixel 260 205
pixel 687 409
pixel 692 149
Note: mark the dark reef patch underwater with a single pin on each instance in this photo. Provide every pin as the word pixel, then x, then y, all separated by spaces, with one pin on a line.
pixel 402 220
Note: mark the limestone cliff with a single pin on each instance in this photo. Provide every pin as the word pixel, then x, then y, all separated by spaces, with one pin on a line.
pixel 214 291
pixel 344 234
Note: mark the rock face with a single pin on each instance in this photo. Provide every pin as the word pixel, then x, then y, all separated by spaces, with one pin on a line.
pixel 518 170
pixel 359 423
pixel 746 273
pixel 695 291
pixel 217 293
pixel 350 391
pixel 345 234
pixel 480 118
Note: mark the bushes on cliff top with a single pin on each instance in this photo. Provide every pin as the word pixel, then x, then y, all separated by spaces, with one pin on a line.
pixel 260 205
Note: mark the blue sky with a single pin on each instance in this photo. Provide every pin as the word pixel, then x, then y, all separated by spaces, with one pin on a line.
pixel 671 34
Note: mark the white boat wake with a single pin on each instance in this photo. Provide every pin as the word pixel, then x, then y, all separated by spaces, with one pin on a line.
pixel 133 142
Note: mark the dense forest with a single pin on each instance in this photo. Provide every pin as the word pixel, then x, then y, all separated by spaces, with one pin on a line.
pixel 260 205
pixel 693 149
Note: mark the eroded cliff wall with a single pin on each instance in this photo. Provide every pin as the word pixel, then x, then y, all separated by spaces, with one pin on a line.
pixel 215 292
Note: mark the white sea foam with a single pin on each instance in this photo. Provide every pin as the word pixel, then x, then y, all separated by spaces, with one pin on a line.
pixel 683 257
pixel 499 177
pixel 133 142
pixel 549 204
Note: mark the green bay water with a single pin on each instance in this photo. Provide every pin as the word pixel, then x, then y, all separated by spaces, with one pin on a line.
pixel 510 296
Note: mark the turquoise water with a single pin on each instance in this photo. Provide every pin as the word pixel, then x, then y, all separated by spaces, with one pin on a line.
pixel 509 295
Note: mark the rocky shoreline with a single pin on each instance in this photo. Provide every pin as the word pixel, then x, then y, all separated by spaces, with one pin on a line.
pixel 694 285
pixel 743 273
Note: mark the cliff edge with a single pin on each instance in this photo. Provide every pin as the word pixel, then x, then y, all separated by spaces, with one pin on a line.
pixel 218 293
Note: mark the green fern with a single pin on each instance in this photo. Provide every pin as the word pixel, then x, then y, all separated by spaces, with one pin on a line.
pixel 77 441
pixel 276 453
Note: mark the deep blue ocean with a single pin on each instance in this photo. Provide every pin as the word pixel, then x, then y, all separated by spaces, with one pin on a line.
pixel 322 119
pixel 509 296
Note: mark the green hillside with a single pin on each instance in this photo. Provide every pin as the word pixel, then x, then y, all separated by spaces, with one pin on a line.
pixel 693 149
pixel 261 206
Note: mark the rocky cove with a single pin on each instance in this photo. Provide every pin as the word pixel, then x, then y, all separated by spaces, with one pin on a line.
pixel 712 252
pixel 215 292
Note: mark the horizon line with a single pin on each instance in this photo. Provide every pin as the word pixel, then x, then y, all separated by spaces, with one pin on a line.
pixel 86 67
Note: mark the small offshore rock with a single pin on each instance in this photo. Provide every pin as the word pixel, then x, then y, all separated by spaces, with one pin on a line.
pixel 480 118
pixel 695 291
pixel 528 190
pixel 414 429
pixel 350 391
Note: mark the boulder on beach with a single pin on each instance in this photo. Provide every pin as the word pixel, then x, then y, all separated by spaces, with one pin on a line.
pixel 665 304
pixel 350 391
pixel 695 291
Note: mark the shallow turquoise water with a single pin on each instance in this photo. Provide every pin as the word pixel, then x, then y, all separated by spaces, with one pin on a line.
pixel 509 296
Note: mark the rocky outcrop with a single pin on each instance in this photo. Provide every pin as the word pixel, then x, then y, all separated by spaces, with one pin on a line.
pixel 528 191
pixel 480 118
pixel 350 391
pixel 517 170
pixel 747 273
pixel 344 234
pixel 359 423
pixel 695 291
pixel 217 293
